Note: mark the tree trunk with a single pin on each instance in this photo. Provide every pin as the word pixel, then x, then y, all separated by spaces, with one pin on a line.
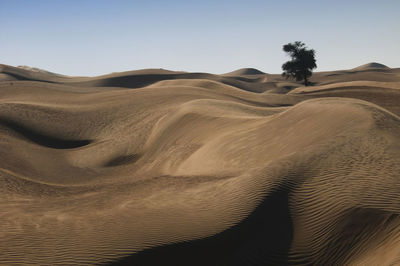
pixel 305 81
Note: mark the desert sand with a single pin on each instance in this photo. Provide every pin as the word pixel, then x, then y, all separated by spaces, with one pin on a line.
pixel 157 167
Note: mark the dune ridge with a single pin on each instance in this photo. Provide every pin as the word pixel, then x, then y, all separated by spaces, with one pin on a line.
pixel 371 65
pixel 245 71
pixel 155 167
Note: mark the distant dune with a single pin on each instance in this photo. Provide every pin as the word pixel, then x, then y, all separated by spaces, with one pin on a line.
pixel 245 71
pixel 34 69
pixel 371 65
pixel 158 167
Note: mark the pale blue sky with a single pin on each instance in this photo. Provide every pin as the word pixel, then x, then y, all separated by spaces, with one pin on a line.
pixel 98 37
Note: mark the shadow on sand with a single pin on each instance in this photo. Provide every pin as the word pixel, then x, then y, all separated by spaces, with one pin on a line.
pixel 263 238
pixel 42 139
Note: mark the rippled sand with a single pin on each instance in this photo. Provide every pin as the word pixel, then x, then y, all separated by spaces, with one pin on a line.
pixel 156 167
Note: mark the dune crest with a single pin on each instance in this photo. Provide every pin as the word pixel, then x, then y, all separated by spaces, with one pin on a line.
pixel 371 65
pixel 244 72
pixel 157 167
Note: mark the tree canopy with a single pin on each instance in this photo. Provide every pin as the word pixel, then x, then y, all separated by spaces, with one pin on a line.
pixel 302 63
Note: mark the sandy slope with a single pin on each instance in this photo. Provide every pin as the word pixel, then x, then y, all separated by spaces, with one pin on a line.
pixel 157 167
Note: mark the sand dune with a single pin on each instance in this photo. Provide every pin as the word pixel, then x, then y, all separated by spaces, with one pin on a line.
pixel 157 167
pixel 373 65
pixel 244 72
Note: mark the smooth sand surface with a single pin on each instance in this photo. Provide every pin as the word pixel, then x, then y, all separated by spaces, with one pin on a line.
pixel 157 167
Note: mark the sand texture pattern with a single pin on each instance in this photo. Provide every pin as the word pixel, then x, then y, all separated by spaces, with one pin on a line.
pixel 157 167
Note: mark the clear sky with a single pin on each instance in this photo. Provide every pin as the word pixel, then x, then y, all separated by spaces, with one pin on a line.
pixel 82 37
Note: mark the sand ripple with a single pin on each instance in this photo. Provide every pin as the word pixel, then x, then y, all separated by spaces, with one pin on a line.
pixel 172 168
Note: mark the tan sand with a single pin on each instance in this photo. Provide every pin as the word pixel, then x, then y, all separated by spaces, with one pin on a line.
pixel 156 167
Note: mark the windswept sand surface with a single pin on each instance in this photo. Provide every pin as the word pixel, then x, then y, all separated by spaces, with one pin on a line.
pixel 156 167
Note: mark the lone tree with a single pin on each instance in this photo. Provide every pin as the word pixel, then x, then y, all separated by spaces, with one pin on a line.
pixel 302 63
